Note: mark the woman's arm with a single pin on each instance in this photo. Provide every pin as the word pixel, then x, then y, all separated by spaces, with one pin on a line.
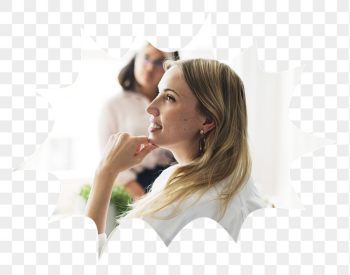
pixel 121 153
pixel 100 195
pixel 109 124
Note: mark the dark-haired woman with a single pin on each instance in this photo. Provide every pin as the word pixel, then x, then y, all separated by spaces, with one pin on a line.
pixel 125 112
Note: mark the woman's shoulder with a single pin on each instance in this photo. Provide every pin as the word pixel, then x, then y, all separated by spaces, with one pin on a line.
pixel 246 201
pixel 243 197
pixel 169 169
pixel 247 191
pixel 163 177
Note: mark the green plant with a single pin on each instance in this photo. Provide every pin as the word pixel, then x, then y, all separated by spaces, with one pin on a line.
pixel 119 198
pixel 85 191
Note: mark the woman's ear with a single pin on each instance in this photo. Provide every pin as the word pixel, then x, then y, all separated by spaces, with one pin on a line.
pixel 208 125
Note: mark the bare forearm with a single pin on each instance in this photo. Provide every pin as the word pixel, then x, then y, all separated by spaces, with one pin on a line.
pixel 122 152
pixel 97 205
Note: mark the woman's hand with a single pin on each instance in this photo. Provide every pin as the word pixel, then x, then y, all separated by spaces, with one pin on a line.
pixel 123 152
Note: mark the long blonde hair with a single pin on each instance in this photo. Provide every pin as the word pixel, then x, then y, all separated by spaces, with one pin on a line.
pixel 221 96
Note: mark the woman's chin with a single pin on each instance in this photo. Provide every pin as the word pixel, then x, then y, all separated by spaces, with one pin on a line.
pixel 154 140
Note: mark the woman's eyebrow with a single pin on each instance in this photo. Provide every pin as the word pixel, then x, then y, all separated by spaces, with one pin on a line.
pixel 167 89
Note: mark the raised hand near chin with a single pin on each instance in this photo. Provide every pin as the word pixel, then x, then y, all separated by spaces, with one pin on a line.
pixel 123 152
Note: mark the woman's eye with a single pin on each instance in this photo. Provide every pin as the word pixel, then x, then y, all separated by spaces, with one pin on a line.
pixel 171 98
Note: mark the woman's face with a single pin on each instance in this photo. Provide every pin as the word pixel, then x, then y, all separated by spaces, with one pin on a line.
pixel 148 68
pixel 175 110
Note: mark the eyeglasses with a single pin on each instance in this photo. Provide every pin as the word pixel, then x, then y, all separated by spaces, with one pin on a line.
pixel 158 64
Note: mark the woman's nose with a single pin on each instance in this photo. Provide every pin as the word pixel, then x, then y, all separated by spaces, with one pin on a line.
pixel 152 108
pixel 150 66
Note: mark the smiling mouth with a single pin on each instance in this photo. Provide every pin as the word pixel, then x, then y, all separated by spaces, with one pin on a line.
pixel 155 126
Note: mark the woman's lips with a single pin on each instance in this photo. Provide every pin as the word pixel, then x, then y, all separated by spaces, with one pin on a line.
pixel 151 129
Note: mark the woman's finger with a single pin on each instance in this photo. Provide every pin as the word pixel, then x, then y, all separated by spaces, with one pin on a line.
pixel 145 151
pixel 141 143
pixel 143 140
pixel 139 148
pixel 115 136
pixel 140 140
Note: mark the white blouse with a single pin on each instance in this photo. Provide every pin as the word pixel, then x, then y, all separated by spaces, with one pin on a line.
pixel 126 112
pixel 244 203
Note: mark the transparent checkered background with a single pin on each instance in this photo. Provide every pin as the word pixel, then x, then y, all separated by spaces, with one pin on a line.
pixel 40 48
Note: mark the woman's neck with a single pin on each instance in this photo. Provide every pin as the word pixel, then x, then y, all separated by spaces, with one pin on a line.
pixel 187 155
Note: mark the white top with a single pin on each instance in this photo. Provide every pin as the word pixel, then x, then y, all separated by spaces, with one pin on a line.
pixel 126 112
pixel 244 203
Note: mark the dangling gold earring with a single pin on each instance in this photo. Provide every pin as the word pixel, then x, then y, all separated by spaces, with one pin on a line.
pixel 202 140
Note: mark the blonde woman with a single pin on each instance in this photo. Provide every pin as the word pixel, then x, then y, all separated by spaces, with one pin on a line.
pixel 199 115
